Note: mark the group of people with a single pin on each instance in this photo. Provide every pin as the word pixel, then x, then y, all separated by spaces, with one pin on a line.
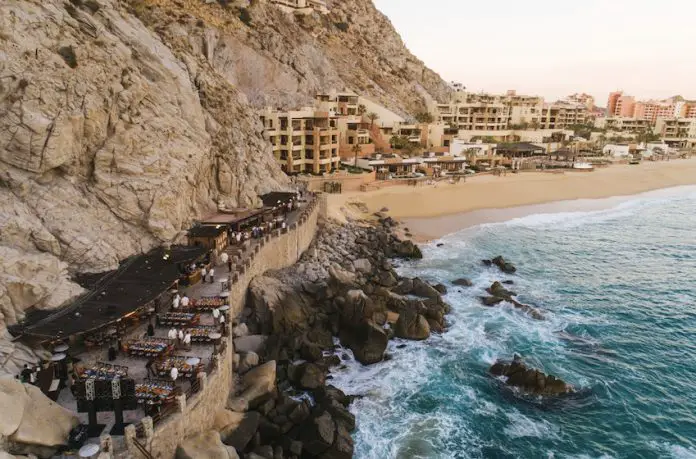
pixel 179 300
pixel 181 336
pixel 28 374
pixel 209 273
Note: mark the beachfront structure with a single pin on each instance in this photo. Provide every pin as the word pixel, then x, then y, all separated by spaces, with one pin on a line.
pixel 624 125
pixel 302 6
pixel 304 141
pixel 622 150
pixel 393 165
pixel 623 106
pixel 517 135
pixel 678 132
pixel 519 150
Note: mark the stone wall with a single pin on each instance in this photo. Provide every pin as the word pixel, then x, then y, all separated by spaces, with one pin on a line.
pixel 279 250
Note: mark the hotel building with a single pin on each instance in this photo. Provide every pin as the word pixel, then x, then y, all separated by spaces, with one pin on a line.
pixel 304 141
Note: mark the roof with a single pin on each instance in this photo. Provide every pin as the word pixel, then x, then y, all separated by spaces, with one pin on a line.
pixel 232 218
pixel 210 231
pixel 271 199
pixel 519 146
pixel 139 280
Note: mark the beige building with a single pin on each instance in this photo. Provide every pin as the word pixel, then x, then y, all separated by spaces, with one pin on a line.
pixel 623 124
pixel 302 6
pixel 679 132
pixel 304 141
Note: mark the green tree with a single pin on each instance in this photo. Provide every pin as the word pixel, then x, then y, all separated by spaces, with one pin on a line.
pixel 372 116
pixel 399 142
pixel 362 109
pixel 424 117
pixel 356 150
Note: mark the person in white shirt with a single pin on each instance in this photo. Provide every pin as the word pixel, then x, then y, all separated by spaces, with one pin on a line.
pixel 282 225
pixel 224 257
pixel 180 335
pixel 222 323
pixel 239 238
pixel 172 333
pixel 203 274
pixel 216 315
pixel 174 374
pixel 211 273
pixel 187 340
pixel 185 301
pixel 175 301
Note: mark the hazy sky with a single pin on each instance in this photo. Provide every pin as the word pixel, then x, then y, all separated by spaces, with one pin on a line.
pixel 554 48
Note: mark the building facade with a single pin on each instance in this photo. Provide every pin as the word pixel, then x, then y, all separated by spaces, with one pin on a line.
pixel 304 141
pixel 303 6
pixel 677 132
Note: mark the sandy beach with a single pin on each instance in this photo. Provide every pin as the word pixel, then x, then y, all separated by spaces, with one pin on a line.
pixel 432 211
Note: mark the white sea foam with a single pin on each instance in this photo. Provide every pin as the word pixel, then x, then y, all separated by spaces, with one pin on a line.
pixel 521 426
pixel 674 451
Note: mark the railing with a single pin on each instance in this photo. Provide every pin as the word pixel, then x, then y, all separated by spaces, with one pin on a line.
pixel 141 448
pixel 165 411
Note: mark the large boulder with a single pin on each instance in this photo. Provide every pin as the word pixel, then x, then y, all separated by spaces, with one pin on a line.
pixel 405 249
pixel 368 342
pixel 250 343
pixel 497 290
pixel 308 376
pixel 529 380
pixel 356 308
pixel 205 445
pixel 423 289
pixel 240 431
pixel 275 307
pixel 463 282
pixel 318 434
pixel 256 386
pixel 362 265
pixel 411 325
pixel 502 264
pixel 32 422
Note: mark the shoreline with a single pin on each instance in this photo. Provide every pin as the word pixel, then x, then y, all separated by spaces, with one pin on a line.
pixel 484 197
pixel 427 229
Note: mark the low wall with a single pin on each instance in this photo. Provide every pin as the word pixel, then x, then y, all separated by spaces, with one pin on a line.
pixel 349 182
pixel 278 250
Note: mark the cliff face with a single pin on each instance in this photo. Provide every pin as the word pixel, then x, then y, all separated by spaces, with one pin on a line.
pixel 122 121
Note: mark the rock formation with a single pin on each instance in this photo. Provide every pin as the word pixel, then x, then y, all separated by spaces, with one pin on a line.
pixel 529 380
pixel 121 122
pixel 498 294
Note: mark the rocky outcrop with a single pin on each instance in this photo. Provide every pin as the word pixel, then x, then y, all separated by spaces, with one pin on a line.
pixel 502 264
pixel 205 445
pixel 31 423
pixel 257 386
pixel 499 294
pixel 529 380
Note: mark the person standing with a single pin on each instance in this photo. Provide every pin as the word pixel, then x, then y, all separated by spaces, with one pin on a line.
pixel 174 374
pixel 172 333
pixel 211 273
pixel 176 301
pixel 204 272
pixel 187 340
pixel 180 335
pixel 185 301
pixel 239 237
pixel 222 324
pixel 224 258
pixel 150 330
pixel 216 315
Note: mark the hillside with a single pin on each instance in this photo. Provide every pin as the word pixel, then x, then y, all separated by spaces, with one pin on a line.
pixel 123 121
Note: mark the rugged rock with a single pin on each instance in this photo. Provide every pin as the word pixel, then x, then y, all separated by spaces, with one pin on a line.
pixel 412 325
pixel 497 290
pixel 276 307
pixel 318 435
pixel 251 343
pixel 502 264
pixel 463 282
pixel 248 361
pixel 239 432
pixel 205 445
pixel 423 289
pixel 256 386
pixel 529 380
pixel 368 341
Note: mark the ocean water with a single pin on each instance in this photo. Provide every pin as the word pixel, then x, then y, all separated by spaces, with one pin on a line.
pixel 618 287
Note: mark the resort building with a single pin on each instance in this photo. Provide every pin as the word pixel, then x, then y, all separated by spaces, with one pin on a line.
pixel 620 105
pixel 677 132
pixel 389 166
pixel 304 141
pixel 626 125
pixel 583 99
pixel 302 6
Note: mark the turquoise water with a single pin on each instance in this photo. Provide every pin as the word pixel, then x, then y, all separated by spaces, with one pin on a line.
pixel 618 287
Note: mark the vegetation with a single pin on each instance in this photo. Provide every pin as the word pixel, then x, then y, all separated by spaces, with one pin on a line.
pixel 372 116
pixel 68 55
pixel 361 109
pixel 399 142
pixel 342 26
pixel 356 150
pixel 245 16
pixel 424 117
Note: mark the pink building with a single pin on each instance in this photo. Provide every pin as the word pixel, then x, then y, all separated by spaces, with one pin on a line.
pixel 621 105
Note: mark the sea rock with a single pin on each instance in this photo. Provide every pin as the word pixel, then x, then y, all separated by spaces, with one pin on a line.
pixel 356 308
pixel 276 307
pixel 406 249
pixel 248 361
pixel 240 330
pixel 404 287
pixel 318 434
pixel 503 265
pixel 491 300
pixel 463 282
pixel 362 265
pixel 423 289
pixel 441 288
pixel 240 431
pixel 368 342
pixel 529 380
pixel 312 376
pixel 205 445
pixel 411 325
pixel 250 343
pixel 256 386
pixel 497 290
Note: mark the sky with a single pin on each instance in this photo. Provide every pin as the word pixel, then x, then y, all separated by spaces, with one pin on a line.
pixel 554 48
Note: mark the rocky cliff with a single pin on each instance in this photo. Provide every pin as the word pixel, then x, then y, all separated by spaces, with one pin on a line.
pixel 123 121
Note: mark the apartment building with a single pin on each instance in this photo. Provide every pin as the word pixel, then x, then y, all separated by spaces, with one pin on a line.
pixel 623 124
pixel 338 103
pixel 582 99
pixel 561 115
pixel 620 105
pixel 304 141
pixel 679 132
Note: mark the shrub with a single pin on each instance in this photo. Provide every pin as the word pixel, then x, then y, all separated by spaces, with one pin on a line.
pixel 68 55
pixel 245 16
pixel 342 26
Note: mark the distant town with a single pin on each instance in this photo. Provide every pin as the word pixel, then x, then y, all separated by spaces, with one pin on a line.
pixel 476 132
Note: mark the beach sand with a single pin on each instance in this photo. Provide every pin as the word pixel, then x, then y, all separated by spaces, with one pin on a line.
pixel 431 211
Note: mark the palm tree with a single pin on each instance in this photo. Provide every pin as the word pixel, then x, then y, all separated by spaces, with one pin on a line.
pixel 361 109
pixel 372 116
pixel 356 149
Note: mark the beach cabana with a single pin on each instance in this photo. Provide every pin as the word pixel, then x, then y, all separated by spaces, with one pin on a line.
pixel 519 150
